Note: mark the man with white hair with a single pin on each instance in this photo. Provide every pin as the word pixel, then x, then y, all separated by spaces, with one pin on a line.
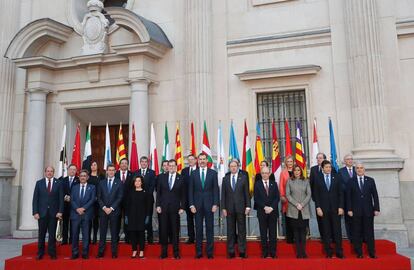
pixel 347 172
pixel 363 206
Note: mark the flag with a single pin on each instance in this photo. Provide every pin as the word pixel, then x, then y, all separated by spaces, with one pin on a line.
pixel 288 144
pixel 178 150
pixel 153 152
pixel 205 149
pixel 333 147
pixel 133 163
pixel 276 162
pixel 76 153
pixel 258 154
pixel 221 167
pixel 63 162
pixel 315 145
pixel 166 146
pixel 108 157
pixel 120 148
pixel 193 150
pixel 300 158
pixel 87 154
pixel 247 160
pixel 233 151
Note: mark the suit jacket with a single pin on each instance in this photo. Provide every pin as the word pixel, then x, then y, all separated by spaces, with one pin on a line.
pixel 67 188
pixel 298 191
pixel 44 201
pixel 345 176
pixel 87 202
pixel 332 199
pixel 315 172
pixel 128 179
pixel 173 199
pixel 206 197
pixel 185 173
pixel 238 200
pixel 261 199
pixel 110 199
pixel 365 202
pixel 150 180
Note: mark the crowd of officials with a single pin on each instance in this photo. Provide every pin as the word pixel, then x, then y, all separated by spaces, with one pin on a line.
pixel 125 202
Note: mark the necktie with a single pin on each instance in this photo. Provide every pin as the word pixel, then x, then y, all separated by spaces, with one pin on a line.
pixel 70 181
pixel 109 185
pixel 267 188
pixel 191 170
pixel 170 182
pixel 203 178
pixel 49 185
pixel 327 181
pixel 123 177
pixel 143 173
pixel 350 172
pixel 361 184
pixel 233 182
pixel 82 192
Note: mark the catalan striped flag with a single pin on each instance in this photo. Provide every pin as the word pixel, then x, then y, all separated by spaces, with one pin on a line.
pixel 258 155
pixel 247 160
pixel 120 148
pixel 193 150
pixel 178 150
pixel 300 153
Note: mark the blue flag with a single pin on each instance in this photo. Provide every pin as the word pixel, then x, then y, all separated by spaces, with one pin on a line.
pixel 333 146
pixel 233 151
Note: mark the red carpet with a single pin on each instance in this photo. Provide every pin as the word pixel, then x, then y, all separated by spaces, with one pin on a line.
pixel 386 251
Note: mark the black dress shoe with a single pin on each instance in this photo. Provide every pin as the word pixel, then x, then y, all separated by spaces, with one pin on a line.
pixel 114 256
pixel 264 256
pixel 99 256
pixel 53 257
pixel 163 256
pixel 360 256
pixel 340 256
pixel 177 257
pixel 74 257
pixel 231 256
pixel 39 257
pixel 85 257
pixel 210 257
pixel 373 256
pixel 329 256
pixel 273 256
pixel 198 256
pixel 243 255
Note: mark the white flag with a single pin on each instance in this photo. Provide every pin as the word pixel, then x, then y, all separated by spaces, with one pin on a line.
pixel 221 167
pixel 108 159
pixel 62 168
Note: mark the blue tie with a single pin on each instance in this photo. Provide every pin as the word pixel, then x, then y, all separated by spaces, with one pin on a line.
pixel 109 185
pixel 233 182
pixel 327 181
pixel 170 181
pixel 203 178
pixel 82 192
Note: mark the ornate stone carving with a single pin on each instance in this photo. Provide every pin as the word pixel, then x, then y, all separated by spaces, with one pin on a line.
pixel 94 29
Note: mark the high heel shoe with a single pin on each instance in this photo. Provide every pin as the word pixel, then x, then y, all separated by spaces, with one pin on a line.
pixel 134 255
pixel 141 255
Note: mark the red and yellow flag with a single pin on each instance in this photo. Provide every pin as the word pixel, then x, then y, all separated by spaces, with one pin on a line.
pixel 300 158
pixel 258 155
pixel 276 162
pixel 120 148
pixel 133 165
pixel 178 150
pixel 247 160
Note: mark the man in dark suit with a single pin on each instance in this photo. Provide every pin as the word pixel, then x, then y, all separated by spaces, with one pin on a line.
pixel 68 183
pixel 47 207
pixel 126 179
pixel 203 196
pixel 170 205
pixel 150 184
pixel 186 173
pixel 110 194
pixel 83 199
pixel 235 202
pixel 329 202
pixel 315 172
pixel 363 206
pixel 347 173
pixel 266 200
pixel 164 170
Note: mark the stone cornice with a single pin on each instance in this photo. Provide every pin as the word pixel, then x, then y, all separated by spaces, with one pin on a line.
pixel 405 27
pixel 278 72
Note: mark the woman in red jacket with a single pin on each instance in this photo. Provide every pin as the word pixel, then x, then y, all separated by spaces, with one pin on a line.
pixel 285 175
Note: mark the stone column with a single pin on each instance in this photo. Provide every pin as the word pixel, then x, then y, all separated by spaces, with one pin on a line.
pixel 366 79
pixel 139 114
pixel 198 59
pixel 34 155
pixel 9 20
pixel 369 117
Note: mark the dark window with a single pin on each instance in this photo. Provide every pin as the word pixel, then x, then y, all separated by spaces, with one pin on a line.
pixel 290 105
pixel 115 3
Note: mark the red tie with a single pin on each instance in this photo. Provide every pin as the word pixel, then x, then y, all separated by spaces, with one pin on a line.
pixel 49 186
pixel 123 177
pixel 267 188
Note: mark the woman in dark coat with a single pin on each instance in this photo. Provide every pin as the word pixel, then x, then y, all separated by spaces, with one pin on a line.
pixel 94 179
pixel 138 207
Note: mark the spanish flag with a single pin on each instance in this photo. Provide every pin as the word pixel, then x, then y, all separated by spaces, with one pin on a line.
pixel 178 150
pixel 120 148
pixel 247 160
pixel 258 156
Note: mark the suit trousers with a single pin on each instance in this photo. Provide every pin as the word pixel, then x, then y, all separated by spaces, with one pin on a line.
pixel 47 224
pixel 169 230
pixel 206 216
pixel 190 225
pixel 113 222
pixel 268 230
pixel 331 223
pixel 363 229
pixel 78 225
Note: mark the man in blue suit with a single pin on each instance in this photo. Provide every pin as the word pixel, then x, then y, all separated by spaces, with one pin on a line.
pixel 203 196
pixel 83 198
pixel 47 207
pixel 110 194
pixel 68 183
pixel 347 173
pixel 363 206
